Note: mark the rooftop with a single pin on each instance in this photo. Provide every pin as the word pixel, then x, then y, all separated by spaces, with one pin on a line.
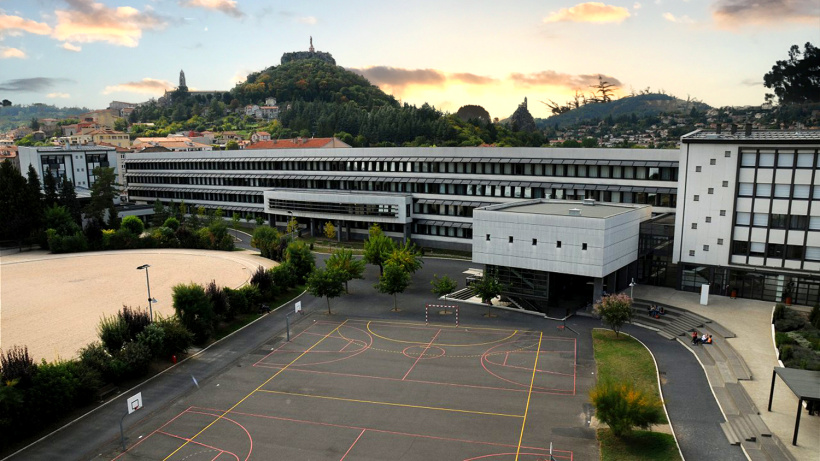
pixel 563 207
pixel 756 136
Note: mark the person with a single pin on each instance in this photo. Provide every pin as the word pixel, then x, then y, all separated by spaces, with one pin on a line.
pixel 709 340
pixel 694 337
pixel 703 339
pixel 661 310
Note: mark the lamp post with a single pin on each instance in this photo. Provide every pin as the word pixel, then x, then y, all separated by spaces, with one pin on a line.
pixel 632 287
pixel 148 284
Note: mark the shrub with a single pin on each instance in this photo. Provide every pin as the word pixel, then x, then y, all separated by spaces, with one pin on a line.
pixel 300 258
pixel 53 391
pixel 792 321
pixel 172 223
pixel 177 338
pixel 782 338
pixel 194 309
pixel 237 302
pixel 621 406
pixel 121 239
pixel 614 310
pixel 89 379
pixel 262 280
pixel 187 239
pixel 779 311
pixel 96 357
pixel 153 337
pixel 282 276
pixel 113 332
pixel 136 320
pixel 814 316
pixel 17 365
pixel 66 243
pixel 265 239
pixel 135 358
pixel 253 296
pixel 133 224
pixel 786 352
pixel 219 300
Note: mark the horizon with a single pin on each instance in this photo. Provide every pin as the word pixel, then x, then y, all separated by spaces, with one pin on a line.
pixel 51 50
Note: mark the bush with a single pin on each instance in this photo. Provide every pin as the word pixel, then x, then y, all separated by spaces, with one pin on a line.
pixel 53 392
pixel 177 338
pixel 253 296
pixel 779 311
pixel 121 239
pixel 265 238
pixel 786 352
pixel 95 357
pixel 814 316
pixel 194 309
pixel 172 223
pixel 621 406
pixel 136 320
pixel 219 300
pixel 792 321
pixel 133 224
pixel 66 243
pixel 135 358
pixel 17 365
pixel 262 280
pixel 300 258
pixel 237 302
pixel 282 276
pixel 113 332
pixel 153 337
pixel 782 338
pixel 615 310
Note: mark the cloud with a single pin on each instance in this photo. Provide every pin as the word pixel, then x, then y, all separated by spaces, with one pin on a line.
pixel 310 20
pixel 595 12
pixel 58 95
pixel 680 20
pixel 8 52
pixel 35 84
pixel 552 78
pixel 396 77
pixel 730 14
pixel 87 22
pixel 636 6
pixel 228 7
pixel 15 24
pixel 146 86
pixel 472 79
pixel 70 47
pixel 751 82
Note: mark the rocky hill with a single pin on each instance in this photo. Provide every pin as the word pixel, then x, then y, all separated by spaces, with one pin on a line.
pixel 640 105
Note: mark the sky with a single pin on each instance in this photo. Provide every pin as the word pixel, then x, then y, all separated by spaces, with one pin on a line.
pixel 446 53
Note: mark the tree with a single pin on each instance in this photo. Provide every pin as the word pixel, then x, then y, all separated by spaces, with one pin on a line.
pixel 194 309
pixel 34 124
pixel 407 256
pixel 621 406
pixel 300 258
pixel 443 286
pixel 377 247
pixel 349 267
pixel 265 238
pixel 487 288
pixel 796 80
pixel 15 204
pixel 604 90
pixel 68 199
pixel 160 214
pixel 235 221
pixel 327 283
pixel 393 280
pixel 232 145
pixel 49 189
pixel 103 191
pixel 133 224
pixel 58 218
pixel 615 310
pixel 120 124
pixel 292 227
pixel 329 230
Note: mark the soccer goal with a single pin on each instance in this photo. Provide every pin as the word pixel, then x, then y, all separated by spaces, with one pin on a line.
pixel 433 307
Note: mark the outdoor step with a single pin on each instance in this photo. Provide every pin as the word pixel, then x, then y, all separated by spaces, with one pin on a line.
pixel 774 449
pixel 726 372
pixel 725 401
pixel 743 429
pixel 705 358
pixel 715 352
pixel 753 451
pixel 666 334
pixel 742 401
pixel 739 367
pixel 719 329
pixel 730 434
pixel 759 425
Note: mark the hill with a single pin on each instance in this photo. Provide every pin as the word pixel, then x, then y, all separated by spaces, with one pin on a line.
pixel 641 106
pixel 17 115
pixel 311 80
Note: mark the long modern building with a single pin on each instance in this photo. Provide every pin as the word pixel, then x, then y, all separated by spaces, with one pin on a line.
pixel 738 211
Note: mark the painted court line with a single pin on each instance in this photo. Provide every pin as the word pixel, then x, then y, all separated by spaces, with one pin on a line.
pixel 455 410
pixel 251 393
pixel 221 451
pixel 422 353
pixel 369 330
pixel 527 408
pixel 152 433
pixel 351 446
pixel 383 431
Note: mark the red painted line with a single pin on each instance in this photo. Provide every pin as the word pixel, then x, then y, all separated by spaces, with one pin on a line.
pixel 543 390
pixel 217 456
pixel 422 353
pixel 250 438
pixel 506 356
pixel 154 432
pixel 382 431
pixel 200 444
pixel 492 455
pixel 354 443
pixel 529 369
pixel 422 327
pixel 282 345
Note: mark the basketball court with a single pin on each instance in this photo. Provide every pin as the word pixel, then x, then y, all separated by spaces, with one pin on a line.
pixel 381 389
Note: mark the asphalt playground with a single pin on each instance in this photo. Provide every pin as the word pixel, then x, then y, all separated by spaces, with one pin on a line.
pixel 346 389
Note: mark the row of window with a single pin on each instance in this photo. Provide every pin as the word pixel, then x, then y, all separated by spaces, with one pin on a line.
pixel 442 231
pixel 190 195
pixel 794 191
pixel 488 168
pixel 777 221
pixel 558 243
pixel 792 158
pixel 775 250
pixel 375 210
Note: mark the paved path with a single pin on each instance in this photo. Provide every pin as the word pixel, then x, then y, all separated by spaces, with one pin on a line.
pixel 750 320
pixel 692 409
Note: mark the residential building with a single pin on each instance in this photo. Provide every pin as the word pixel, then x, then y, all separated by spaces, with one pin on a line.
pixel 171 143
pixel 106 136
pixel 74 163
pixel 260 136
pixel 299 143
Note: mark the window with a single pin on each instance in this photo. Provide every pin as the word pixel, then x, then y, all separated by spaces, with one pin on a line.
pixel 720 242
pixel 740 248
pixel 814 223
pixel 812 253
pixel 725 183
pixel 584 246
pixel 691 252
pixel 723 212
pixel 712 162
pixel 705 247
pixel 766 159
pixel 775 251
pixel 779 221
pixel 757 248
pixel 801 191
pixel 708 219
pixel 727 154
pixel 748 159
pixel 511 239
pixel 805 160
pixel 743 219
pixel 488 237
pixel 694 225
pixel 763 190
pixel 535 241
pixel 558 244
pixel 798 222
pixel 794 252
pixel 697 198
pixel 782 190
pixel 697 169
pixel 711 190
pixel 760 219
pixel 745 189
pixel 785 160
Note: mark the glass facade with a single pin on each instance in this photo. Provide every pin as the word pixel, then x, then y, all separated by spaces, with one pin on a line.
pixel 750 283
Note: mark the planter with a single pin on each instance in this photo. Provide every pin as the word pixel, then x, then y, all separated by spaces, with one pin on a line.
pixel 734 294
pixel 788 300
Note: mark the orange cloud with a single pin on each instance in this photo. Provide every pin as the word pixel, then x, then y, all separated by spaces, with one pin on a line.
pixel 88 22
pixel 70 47
pixel 730 14
pixel 145 86
pixel 8 52
pixel 14 24
pixel 226 6
pixel 552 78
pixel 595 12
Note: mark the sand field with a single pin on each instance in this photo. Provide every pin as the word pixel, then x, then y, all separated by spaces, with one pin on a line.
pixel 53 303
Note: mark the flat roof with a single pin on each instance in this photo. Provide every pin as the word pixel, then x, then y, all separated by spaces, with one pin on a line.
pixel 561 208
pixel 756 136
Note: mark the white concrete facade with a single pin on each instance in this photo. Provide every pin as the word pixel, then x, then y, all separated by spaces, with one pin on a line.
pixel 324 205
pixel 542 235
pixel 74 163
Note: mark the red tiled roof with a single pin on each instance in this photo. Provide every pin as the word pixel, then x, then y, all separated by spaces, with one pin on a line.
pixel 306 143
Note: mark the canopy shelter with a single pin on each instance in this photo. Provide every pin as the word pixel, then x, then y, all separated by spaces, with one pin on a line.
pixel 805 384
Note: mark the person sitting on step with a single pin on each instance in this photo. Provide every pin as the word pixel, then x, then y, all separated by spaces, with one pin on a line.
pixel 709 340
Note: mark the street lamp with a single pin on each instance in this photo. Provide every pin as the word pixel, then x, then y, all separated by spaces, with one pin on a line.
pixel 148 284
pixel 632 287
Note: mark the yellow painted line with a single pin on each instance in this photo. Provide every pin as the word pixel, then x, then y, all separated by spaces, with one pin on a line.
pixel 527 409
pixel 440 344
pixel 252 392
pixel 392 404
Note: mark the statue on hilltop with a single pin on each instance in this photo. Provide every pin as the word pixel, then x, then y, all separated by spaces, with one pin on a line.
pixel 311 53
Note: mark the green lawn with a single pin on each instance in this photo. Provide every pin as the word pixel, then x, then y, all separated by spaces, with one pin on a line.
pixel 623 358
